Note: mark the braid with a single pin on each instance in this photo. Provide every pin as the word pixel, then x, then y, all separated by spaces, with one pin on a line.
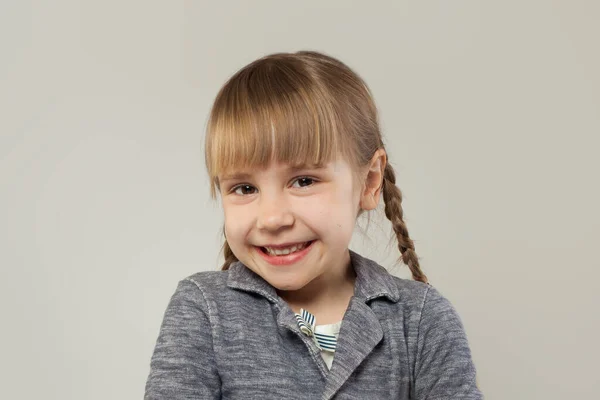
pixel 230 258
pixel 392 197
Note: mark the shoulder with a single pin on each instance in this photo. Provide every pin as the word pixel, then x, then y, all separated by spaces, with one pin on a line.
pixel 429 310
pixel 208 280
pixel 375 281
pixel 224 292
pixel 199 288
pixel 415 300
pixel 421 297
pixel 409 289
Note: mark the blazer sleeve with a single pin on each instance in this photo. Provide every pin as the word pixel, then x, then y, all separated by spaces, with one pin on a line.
pixel 183 362
pixel 444 367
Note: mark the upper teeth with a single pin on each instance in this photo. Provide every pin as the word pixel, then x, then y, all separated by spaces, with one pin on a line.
pixel 287 250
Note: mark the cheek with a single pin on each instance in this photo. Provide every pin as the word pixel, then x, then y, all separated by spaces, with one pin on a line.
pixel 332 216
pixel 237 224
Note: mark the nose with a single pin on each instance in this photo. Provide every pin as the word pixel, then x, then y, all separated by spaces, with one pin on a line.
pixel 274 213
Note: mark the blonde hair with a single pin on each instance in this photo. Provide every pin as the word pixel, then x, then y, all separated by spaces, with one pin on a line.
pixel 303 108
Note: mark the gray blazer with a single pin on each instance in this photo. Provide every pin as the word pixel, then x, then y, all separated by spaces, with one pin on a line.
pixel 227 334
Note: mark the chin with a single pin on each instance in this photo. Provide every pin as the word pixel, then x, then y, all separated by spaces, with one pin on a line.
pixel 287 286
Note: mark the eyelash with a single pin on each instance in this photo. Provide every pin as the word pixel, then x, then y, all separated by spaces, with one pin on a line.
pixel 236 187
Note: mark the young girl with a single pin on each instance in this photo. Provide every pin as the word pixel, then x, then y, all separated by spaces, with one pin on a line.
pixel 295 152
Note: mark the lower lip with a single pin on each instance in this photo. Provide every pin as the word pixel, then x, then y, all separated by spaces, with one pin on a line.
pixel 287 259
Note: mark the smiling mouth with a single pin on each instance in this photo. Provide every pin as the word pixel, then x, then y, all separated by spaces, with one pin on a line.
pixel 286 250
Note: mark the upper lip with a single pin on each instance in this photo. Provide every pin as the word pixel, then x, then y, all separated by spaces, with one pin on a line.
pixel 284 245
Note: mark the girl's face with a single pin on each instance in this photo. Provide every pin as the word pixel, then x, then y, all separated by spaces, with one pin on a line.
pixel 291 226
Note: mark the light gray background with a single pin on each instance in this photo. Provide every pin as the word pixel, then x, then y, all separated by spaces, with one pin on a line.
pixel 491 114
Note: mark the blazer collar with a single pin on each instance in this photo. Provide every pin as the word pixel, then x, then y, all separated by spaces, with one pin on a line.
pixel 372 281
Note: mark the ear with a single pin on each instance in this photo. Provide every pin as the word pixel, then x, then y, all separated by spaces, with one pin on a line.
pixel 373 183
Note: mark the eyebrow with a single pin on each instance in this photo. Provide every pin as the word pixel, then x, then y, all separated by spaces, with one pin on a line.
pixel 236 176
pixel 290 169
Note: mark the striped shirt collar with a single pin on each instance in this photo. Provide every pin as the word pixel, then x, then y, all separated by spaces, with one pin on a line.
pixel 307 324
pixel 372 281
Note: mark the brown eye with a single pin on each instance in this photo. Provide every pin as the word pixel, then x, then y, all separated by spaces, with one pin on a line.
pixel 304 181
pixel 244 190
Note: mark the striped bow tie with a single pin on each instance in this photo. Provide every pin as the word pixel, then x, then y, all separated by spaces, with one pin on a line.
pixel 307 323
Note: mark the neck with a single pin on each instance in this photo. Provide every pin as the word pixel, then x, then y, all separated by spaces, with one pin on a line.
pixel 329 292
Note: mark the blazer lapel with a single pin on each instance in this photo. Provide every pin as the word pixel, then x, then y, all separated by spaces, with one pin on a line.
pixel 359 334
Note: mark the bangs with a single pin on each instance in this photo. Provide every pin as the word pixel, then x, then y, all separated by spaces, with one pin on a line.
pixel 271 112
